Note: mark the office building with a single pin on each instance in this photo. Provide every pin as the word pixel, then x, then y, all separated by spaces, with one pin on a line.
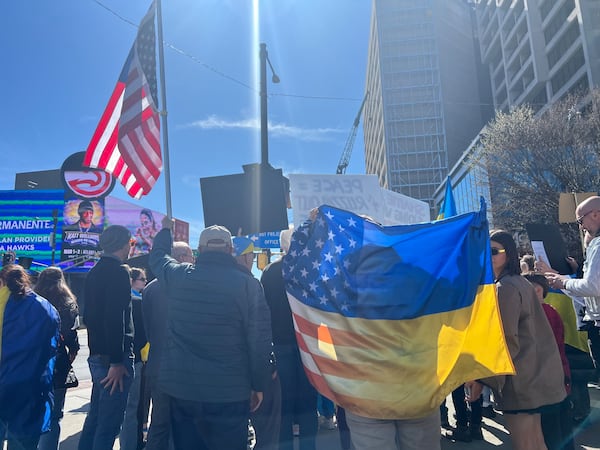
pixel 428 92
pixel 536 51
pixel 539 50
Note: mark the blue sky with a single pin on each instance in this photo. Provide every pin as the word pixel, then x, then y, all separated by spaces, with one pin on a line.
pixel 61 60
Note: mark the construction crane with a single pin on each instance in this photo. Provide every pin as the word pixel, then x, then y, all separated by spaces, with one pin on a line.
pixel 345 158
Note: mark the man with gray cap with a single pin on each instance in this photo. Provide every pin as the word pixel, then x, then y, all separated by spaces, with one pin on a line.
pixel 107 315
pixel 215 363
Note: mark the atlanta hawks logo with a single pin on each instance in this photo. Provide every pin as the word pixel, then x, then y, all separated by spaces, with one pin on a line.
pixel 83 181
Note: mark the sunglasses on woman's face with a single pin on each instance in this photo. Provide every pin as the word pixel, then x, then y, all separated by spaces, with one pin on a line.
pixel 497 251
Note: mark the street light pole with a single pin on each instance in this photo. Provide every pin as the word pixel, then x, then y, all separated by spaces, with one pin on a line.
pixel 264 127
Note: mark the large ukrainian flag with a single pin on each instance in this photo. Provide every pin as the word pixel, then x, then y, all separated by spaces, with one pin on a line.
pixel 390 320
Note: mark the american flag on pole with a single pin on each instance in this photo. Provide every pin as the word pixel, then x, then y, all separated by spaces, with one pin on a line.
pixel 126 142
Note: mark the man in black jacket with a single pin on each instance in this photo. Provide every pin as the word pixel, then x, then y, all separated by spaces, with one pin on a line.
pixel 298 396
pixel 107 316
pixel 216 361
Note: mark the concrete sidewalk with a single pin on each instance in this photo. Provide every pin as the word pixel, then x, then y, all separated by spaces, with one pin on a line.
pixel 495 435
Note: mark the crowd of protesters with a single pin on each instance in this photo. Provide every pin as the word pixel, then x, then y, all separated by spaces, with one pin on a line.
pixel 214 349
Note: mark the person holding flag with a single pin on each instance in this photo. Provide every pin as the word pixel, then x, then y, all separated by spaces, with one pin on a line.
pixel 378 310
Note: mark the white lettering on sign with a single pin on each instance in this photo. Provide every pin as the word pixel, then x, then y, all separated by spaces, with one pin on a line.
pixel 25 224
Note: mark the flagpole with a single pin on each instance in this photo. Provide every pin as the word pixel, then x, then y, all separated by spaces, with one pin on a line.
pixel 163 111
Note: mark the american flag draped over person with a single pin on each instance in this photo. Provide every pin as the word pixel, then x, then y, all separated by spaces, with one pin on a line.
pixel 390 320
pixel 126 142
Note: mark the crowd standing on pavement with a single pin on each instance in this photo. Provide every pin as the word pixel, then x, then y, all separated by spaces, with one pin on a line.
pixel 215 350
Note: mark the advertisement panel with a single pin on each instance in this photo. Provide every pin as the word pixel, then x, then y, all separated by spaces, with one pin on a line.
pixel 83 222
pixel 143 223
pixel 27 221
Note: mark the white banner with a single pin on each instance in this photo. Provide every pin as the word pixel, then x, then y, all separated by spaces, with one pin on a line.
pixel 359 194
pixel 401 209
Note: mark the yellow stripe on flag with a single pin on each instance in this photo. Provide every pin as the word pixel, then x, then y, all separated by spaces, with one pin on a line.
pixel 564 306
pixel 438 352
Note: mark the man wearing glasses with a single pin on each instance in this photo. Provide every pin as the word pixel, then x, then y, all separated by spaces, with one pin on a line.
pixel 588 287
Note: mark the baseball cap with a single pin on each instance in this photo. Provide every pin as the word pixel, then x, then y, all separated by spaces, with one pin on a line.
pixel 242 245
pixel 215 236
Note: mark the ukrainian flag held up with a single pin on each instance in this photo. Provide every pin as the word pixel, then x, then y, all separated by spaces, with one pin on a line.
pixel 390 320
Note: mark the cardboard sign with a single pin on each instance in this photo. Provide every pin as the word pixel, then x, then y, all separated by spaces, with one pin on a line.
pixel 567 204
pixel 400 209
pixel 359 194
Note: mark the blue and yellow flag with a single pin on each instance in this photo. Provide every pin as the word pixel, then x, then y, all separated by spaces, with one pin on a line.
pixel 448 208
pixel 390 320
pixel 564 306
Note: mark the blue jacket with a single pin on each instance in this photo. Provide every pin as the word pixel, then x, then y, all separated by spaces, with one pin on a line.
pixel 30 333
pixel 218 342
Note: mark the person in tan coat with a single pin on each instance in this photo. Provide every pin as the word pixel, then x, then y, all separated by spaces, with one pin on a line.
pixel 538 383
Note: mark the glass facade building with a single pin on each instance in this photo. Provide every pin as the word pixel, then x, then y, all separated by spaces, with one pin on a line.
pixel 427 93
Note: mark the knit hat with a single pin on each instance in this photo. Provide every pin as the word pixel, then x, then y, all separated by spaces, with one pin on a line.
pixel 215 236
pixel 114 238
pixel 85 205
pixel 242 245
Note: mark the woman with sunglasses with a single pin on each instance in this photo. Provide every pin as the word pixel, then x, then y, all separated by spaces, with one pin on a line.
pixel 538 383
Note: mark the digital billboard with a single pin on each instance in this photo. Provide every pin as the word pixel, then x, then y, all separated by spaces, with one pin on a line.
pixel 27 221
